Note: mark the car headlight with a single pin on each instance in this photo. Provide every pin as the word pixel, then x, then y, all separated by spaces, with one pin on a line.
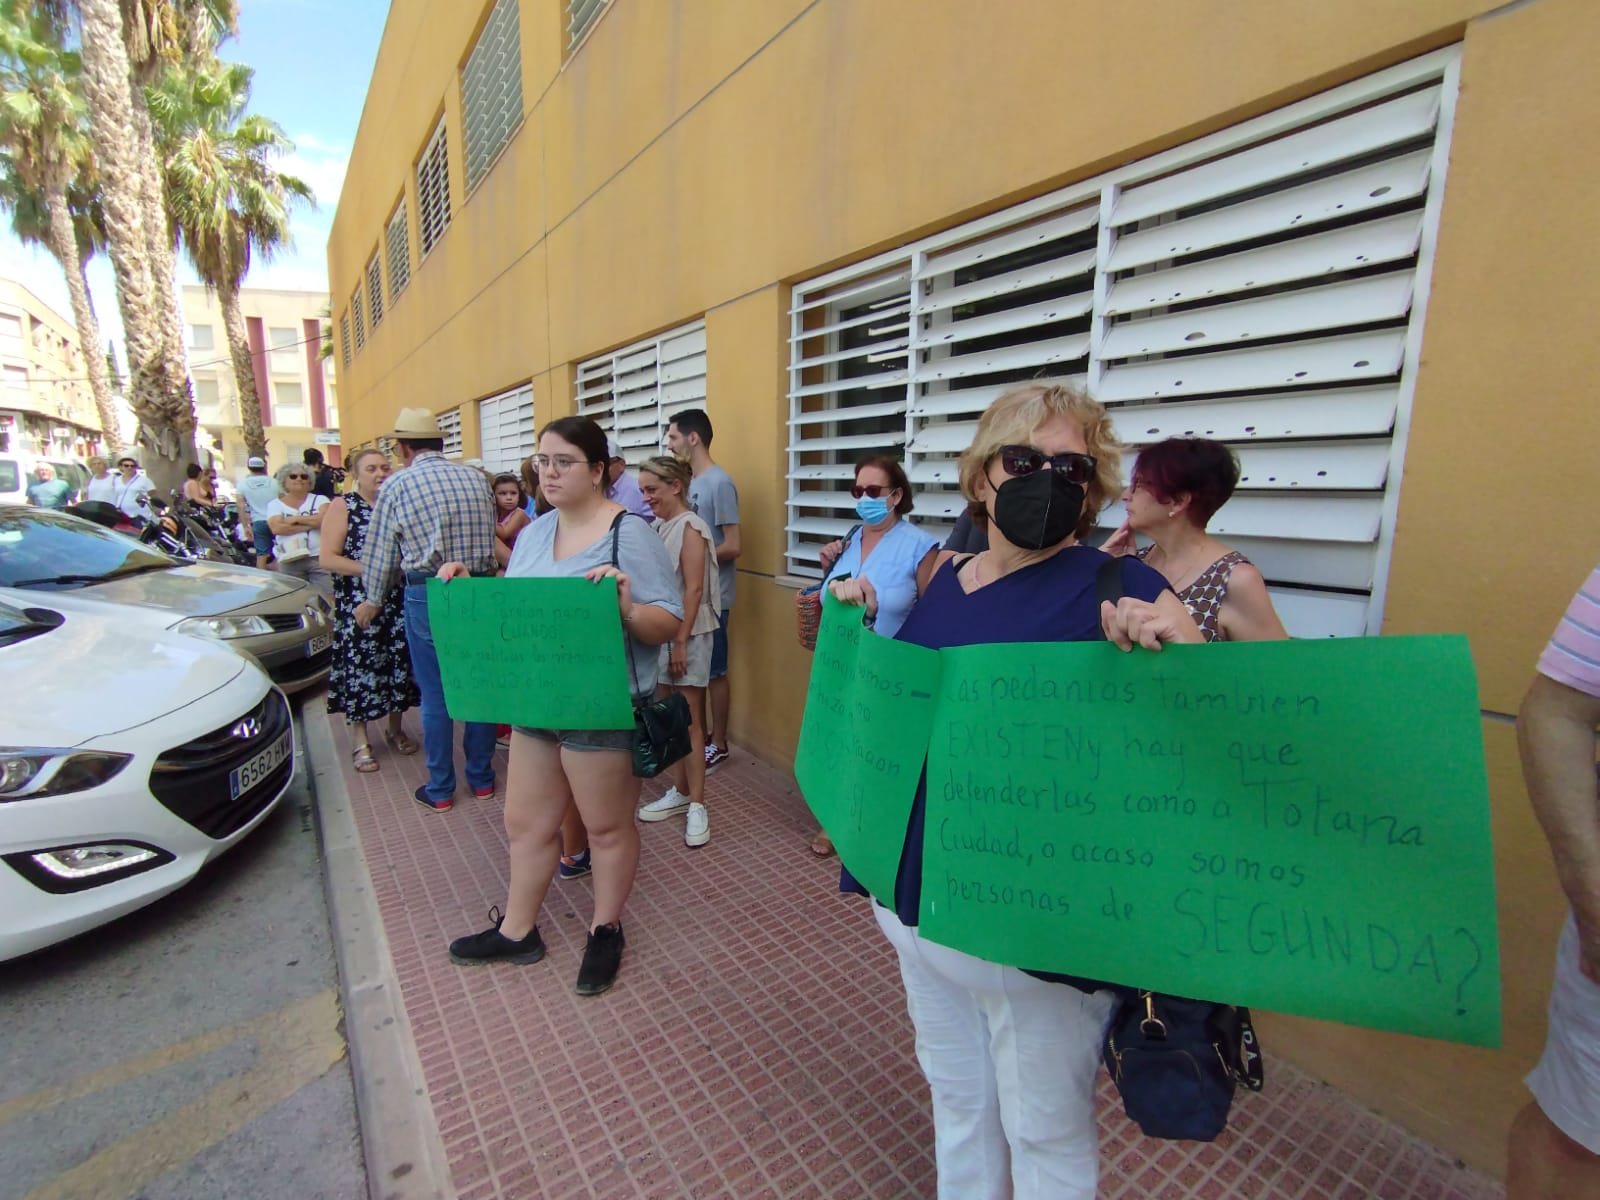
pixel 29 772
pixel 223 628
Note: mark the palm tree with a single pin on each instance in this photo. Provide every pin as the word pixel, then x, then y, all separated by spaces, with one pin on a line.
pixel 159 390
pixel 160 35
pixel 226 199
pixel 46 174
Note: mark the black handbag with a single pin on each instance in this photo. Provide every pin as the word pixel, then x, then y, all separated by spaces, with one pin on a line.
pixel 1177 1063
pixel 660 727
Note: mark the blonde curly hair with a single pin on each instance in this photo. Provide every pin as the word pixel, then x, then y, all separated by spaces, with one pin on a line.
pixel 1013 419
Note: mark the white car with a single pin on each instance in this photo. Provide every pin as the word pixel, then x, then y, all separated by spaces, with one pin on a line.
pixel 130 756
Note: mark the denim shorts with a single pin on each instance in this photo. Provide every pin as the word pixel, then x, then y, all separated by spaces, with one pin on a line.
pixel 719 646
pixel 263 536
pixel 582 739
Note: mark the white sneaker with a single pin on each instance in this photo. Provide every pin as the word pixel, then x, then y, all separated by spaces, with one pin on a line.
pixel 698 830
pixel 669 805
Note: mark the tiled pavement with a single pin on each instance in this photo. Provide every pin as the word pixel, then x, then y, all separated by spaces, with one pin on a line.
pixel 756 1045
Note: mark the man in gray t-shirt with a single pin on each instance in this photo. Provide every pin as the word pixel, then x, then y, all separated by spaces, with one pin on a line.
pixel 714 497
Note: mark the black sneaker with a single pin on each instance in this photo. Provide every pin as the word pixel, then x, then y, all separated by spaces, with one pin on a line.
pixel 601 960
pixel 493 946
pixel 428 802
pixel 575 867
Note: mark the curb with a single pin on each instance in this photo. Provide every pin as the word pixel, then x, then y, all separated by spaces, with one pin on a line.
pixel 404 1154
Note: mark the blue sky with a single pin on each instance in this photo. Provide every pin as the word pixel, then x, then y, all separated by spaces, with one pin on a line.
pixel 313 60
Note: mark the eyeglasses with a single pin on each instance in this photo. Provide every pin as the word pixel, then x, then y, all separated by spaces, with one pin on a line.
pixel 296 475
pixel 873 490
pixel 128 463
pixel 559 464
pixel 1019 461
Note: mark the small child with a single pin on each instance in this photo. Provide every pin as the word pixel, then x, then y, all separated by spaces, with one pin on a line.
pixel 510 503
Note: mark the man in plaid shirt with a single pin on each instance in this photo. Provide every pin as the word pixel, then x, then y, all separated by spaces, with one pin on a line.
pixel 435 511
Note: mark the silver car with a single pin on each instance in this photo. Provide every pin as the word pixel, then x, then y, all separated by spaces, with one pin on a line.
pixel 281 622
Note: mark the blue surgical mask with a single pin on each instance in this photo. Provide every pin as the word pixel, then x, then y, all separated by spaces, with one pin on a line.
pixel 872 509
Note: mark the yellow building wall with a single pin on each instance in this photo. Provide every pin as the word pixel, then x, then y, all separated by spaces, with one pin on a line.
pixel 698 159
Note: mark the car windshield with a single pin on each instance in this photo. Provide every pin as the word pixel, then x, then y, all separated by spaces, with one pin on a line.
pixel 39 548
pixel 18 625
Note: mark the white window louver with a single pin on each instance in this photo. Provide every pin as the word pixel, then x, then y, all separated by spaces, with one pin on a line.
pixel 506 429
pixel 1263 286
pixel 433 190
pixel 580 15
pixel 450 426
pixel 361 321
pixel 633 392
pixel 397 243
pixel 375 290
pixel 491 90
pixel 344 337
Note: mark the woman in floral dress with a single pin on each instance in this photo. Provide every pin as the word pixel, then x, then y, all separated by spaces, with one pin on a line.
pixel 370 676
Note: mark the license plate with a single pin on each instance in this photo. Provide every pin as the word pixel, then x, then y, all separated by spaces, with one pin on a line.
pixel 318 644
pixel 242 778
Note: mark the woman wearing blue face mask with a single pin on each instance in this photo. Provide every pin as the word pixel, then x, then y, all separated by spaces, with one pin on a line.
pixel 896 557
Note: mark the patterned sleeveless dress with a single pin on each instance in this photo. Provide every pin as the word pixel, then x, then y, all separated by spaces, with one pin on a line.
pixel 370 675
pixel 1203 598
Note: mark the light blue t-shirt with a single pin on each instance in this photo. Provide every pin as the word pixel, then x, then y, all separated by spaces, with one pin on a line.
pixel 716 501
pixel 258 493
pixel 891 569
pixel 652 577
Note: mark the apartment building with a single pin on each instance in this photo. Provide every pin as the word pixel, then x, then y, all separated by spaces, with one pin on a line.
pixel 295 386
pixel 1352 240
pixel 46 406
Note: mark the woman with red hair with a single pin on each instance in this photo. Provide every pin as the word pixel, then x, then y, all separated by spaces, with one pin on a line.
pixel 1177 487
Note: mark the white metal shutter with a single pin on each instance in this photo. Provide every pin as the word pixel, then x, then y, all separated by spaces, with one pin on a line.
pixel 491 90
pixel 1263 286
pixel 580 15
pixel 361 321
pixel 344 337
pixel 506 429
pixel 433 190
pixel 375 290
pixel 632 393
pixel 398 244
pixel 450 426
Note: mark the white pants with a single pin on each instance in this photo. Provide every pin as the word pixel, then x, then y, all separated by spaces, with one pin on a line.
pixel 1011 1062
pixel 1566 1083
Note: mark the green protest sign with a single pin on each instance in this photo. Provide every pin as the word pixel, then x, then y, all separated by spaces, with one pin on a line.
pixel 1298 826
pixel 548 653
pixel 863 741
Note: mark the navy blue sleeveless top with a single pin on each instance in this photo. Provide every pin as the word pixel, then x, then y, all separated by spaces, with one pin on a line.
pixel 1051 601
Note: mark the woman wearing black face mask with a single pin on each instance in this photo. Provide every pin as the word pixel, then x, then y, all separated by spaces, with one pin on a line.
pixel 1011 1056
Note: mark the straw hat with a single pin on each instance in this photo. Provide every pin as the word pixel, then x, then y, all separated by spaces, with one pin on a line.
pixel 415 424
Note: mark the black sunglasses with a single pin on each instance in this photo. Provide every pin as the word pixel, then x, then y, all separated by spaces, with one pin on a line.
pixel 1018 461
pixel 870 489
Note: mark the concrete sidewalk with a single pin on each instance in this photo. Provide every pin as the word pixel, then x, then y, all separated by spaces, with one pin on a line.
pixel 755 1047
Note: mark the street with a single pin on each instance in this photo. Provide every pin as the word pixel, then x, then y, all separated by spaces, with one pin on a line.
pixel 193 1049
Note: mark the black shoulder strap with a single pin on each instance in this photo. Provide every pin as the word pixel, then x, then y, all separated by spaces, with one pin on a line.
pixel 965 562
pixel 1108 581
pixel 616 532
pixel 1107 586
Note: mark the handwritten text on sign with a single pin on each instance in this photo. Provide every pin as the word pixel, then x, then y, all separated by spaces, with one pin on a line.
pixel 862 742
pixel 1300 826
pixel 546 653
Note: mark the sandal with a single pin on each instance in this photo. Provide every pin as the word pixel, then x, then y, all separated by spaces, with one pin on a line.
pixel 399 742
pixel 361 758
pixel 822 846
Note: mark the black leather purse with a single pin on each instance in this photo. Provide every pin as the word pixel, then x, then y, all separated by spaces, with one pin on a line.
pixel 660 727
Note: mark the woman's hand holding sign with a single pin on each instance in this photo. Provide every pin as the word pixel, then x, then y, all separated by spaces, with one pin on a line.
pixel 1148 623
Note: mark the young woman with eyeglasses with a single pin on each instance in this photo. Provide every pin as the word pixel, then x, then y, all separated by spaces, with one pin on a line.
pixel 1010 1055
pixel 554 769
pixel 893 556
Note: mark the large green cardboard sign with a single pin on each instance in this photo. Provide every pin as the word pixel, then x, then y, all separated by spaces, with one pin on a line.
pixel 1298 826
pixel 862 741
pixel 547 653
